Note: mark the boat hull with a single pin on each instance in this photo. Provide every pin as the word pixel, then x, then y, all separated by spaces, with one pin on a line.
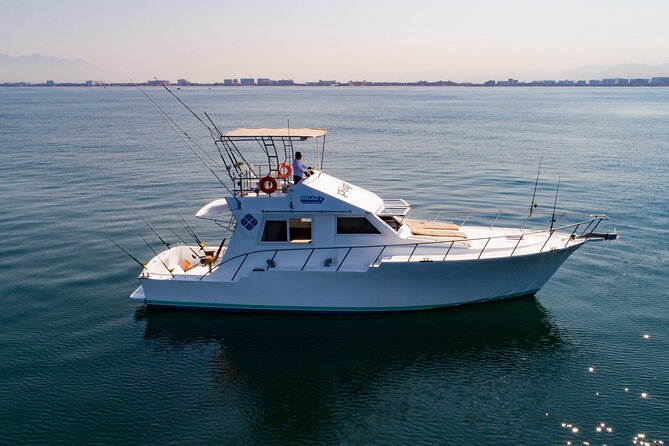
pixel 393 286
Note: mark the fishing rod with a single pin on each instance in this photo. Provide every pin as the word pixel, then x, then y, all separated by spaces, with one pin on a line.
pixel 130 255
pixel 220 248
pixel 190 110
pixel 184 242
pixel 192 233
pixel 185 138
pixel 218 130
pixel 161 260
pixel 533 204
pixel 555 203
pixel 157 235
pixel 228 150
pixel 211 132
pixel 209 261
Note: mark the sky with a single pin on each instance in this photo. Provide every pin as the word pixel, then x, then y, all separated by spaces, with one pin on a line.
pixel 207 41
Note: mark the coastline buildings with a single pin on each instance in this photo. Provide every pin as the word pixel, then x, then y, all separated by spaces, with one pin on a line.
pixel 659 81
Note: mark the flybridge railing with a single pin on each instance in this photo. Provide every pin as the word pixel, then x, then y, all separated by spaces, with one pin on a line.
pixel 248 182
pixel 580 230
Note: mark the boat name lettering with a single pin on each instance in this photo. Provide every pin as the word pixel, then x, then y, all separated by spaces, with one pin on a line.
pixel 312 199
pixel 344 189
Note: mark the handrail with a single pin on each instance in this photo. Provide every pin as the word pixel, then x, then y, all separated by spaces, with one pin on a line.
pixel 593 218
pixel 468 213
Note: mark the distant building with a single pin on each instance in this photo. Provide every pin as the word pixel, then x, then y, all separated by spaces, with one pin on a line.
pixel 566 83
pixel 663 81
pixel 227 82
pixel 581 83
pixel 595 82
pixel 608 82
pixel 322 83
pixel 247 81
pixel 158 83
pixel 639 82
pixel 263 81
pixel 94 83
pixel 183 82
pixel 620 82
pixel 489 83
pixel 547 83
pixel 50 83
pixel 284 82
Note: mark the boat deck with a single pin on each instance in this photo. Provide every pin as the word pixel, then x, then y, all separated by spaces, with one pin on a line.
pixel 477 243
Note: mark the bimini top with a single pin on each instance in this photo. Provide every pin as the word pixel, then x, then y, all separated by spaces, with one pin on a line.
pixel 282 132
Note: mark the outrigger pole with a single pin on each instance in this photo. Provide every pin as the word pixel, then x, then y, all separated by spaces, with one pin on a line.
pixel 185 138
pixel 216 137
pixel 191 111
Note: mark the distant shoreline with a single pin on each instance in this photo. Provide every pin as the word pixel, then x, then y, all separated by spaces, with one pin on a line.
pixel 659 81
pixel 374 85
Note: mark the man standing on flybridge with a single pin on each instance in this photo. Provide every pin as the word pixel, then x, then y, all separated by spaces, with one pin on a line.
pixel 298 168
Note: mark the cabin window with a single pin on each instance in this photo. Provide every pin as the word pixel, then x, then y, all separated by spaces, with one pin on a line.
pixel 355 225
pixel 275 231
pixel 300 230
pixel 392 222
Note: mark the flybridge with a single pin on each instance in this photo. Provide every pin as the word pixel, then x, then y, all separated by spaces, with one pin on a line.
pixel 271 170
pixel 249 172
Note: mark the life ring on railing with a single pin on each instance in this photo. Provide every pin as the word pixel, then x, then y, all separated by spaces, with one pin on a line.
pixel 284 170
pixel 268 185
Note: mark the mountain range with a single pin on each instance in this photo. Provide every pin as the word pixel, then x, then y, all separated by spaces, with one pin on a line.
pixel 37 68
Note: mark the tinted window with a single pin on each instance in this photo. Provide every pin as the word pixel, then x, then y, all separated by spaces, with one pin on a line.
pixel 392 222
pixel 275 231
pixel 355 225
pixel 300 230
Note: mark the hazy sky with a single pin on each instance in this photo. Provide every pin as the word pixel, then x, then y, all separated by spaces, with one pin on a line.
pixel 342 40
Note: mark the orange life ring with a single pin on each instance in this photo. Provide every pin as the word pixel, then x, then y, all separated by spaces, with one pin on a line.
pixel 284 170
pixel 268 184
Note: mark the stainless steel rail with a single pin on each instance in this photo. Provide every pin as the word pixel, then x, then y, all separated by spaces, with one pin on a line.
pixel 448 245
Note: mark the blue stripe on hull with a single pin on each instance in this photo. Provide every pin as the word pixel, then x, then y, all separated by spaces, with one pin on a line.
pixel 289 309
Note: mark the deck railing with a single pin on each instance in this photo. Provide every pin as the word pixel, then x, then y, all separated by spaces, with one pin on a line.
pixel 583 229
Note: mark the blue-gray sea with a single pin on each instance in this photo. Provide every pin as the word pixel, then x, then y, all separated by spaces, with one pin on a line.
pixel 82 364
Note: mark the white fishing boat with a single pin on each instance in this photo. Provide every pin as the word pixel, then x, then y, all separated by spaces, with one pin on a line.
pixel 326 245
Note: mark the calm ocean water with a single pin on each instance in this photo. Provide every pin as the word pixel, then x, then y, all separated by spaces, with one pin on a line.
pixel 82 364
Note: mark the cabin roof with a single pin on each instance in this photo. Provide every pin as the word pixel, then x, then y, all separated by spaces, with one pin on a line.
pixel 343 192
pixel 275 132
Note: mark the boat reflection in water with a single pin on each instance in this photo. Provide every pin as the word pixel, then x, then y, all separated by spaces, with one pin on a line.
pixel 310 377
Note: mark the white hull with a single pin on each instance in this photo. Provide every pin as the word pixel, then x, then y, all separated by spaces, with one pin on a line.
pixel 392 286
